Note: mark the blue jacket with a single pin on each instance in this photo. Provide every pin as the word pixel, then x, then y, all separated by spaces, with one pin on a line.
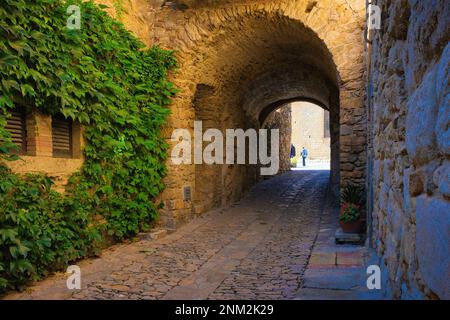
pixel 304 153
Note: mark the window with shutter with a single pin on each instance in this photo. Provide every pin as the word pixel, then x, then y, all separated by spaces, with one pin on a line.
pixel 16 126
pixel 62 137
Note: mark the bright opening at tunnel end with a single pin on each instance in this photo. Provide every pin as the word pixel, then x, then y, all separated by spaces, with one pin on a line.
pixel 256 152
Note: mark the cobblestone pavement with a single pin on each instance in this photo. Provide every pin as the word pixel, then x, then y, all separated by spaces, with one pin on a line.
pixel 256 249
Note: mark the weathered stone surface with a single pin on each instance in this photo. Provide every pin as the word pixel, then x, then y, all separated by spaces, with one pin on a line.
pixel 282 120
pixel 349 238
pixel 427 35
pixel 421 121
pixel 415 184
pixel 409 72
pixel 443 179
pixel 411 294
pixel 433 249
pixel 443 89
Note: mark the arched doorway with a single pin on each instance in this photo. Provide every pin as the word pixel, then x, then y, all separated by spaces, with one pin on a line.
pixel 241 91
pixel 302 125
pixel 239 65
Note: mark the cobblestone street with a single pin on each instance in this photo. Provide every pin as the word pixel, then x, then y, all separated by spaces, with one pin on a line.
pixel 256 249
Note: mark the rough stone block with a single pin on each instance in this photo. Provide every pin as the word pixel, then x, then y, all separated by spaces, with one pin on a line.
pixel 321 259
pixel 443 89
pixel 415 184
pixel 433 250
pixel 335 279
pixel 411 294
pixel 349 259
pixel 443 179
pixel 348 238
pixel 421 121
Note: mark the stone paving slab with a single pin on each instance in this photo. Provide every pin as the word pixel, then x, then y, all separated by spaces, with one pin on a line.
pixel 334 278
pixel 329 294
pixel 335 271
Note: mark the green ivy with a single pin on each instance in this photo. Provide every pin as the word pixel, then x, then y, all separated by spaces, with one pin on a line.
pixel 101 76
pixel 119 8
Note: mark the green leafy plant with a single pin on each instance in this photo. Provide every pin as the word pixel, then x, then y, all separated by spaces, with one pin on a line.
pixel 119 8
pixel 352 200
pixel 349 213
pixel 353 194
pixel 103 77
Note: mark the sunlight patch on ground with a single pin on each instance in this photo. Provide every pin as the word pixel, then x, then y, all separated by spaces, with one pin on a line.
pixel 312 165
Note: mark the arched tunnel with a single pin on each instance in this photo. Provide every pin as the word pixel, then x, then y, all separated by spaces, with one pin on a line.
pixel 236 67
pixel 246 76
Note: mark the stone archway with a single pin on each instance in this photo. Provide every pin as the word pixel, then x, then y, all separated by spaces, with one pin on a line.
pixel 302 83
pixel 240 83
pixel 286 116
pixel 238 60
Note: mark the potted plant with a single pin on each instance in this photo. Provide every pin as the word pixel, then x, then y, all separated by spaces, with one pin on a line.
pixel 352 201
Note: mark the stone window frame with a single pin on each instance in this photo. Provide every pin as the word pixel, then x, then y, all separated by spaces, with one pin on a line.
pixel 39 158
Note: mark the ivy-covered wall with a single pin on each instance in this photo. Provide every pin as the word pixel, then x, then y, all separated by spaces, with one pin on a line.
pixel 103 77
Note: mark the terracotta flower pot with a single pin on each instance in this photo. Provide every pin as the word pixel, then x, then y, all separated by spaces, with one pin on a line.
pixel 352 227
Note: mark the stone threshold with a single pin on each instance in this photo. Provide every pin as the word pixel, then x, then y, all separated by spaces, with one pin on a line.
pixel 342 237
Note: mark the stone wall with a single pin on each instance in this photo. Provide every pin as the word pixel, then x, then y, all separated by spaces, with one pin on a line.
pixel 281 119
pixel 411 147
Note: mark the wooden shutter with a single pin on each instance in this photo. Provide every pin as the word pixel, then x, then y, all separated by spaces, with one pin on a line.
pixel 16 125
pixel 62 137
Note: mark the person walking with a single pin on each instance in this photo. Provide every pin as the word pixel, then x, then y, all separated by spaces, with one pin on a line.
pixel 304 154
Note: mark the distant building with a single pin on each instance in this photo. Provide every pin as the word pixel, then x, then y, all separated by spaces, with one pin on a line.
pixel 311 129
